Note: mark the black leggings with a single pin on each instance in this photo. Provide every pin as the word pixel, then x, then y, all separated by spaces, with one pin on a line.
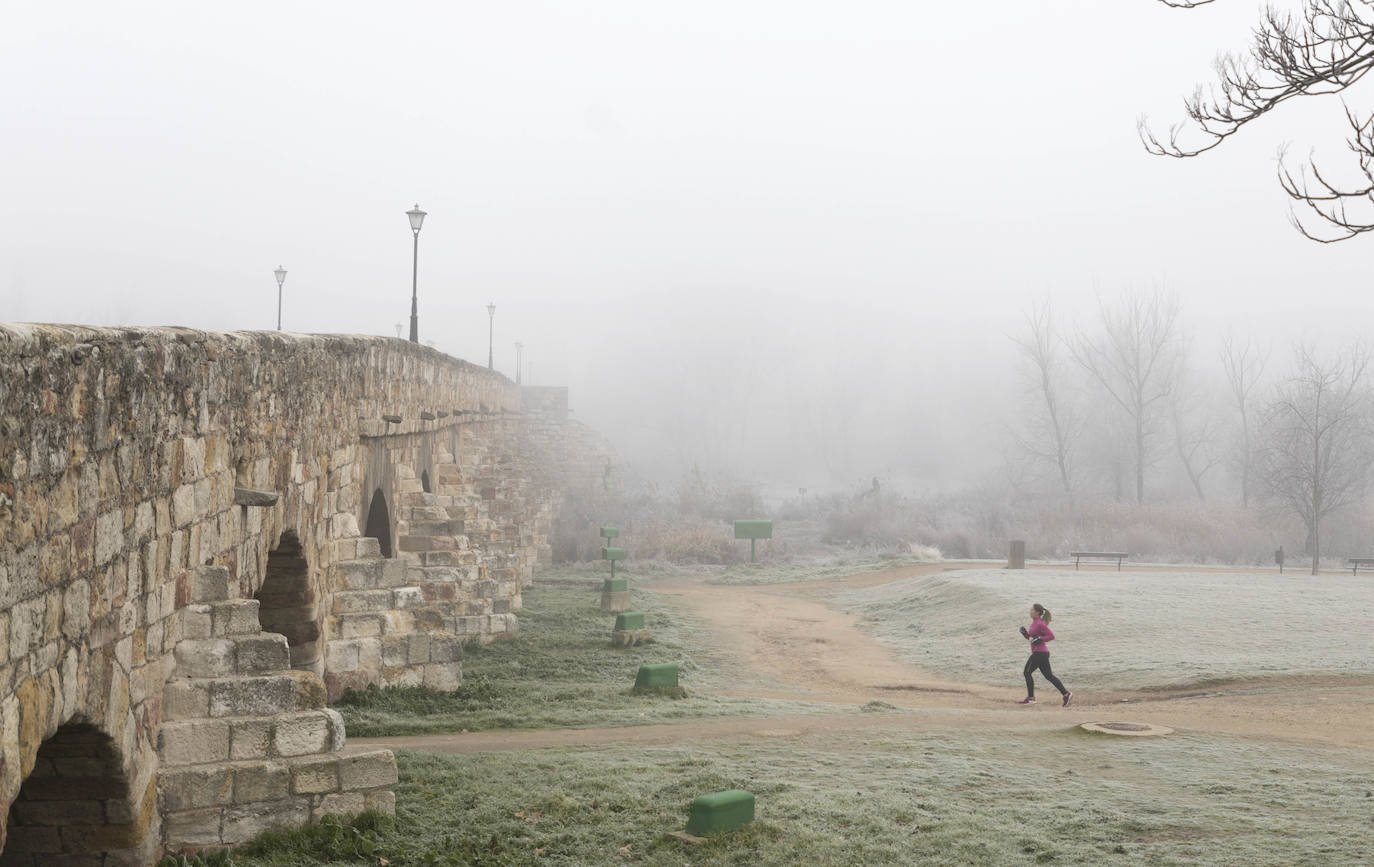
pixel 1041 660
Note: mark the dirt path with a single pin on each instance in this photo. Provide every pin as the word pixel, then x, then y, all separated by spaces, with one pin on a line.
pixel 787 635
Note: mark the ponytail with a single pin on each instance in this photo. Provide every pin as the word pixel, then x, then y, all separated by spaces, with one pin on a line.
pixel 1043 612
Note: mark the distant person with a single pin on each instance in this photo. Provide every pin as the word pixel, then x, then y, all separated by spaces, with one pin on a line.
pixel 1040 636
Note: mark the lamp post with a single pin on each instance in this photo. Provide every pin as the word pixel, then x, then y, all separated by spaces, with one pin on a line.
pixel 281 278
pixel 519 348
pixel 417 219
pixel 491 326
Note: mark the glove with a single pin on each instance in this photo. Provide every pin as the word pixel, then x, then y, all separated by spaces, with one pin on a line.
pixel 1024 632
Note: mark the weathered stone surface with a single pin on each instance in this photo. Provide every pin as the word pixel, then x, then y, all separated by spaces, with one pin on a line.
pixel 370 770
pixel 250 497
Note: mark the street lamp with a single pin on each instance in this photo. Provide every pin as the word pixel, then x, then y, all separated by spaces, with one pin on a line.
pixel 281 278
pixel 519 348
pixel 491 324
pixel 417 219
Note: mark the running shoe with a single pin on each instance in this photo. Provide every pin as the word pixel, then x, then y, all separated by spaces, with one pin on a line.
pixel 1067 696
pixel 1030 699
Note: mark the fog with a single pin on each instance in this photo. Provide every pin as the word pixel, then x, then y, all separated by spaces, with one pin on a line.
pixel 788 243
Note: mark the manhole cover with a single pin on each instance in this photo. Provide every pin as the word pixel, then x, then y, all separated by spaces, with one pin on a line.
pixel 1126 728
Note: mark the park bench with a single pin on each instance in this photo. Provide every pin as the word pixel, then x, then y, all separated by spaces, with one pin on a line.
pixel 1118 556
pixel 1356 562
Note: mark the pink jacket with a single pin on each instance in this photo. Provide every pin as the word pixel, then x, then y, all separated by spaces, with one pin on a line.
pixel 1039 628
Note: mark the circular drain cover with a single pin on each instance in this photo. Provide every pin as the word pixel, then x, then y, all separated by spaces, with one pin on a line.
pixel 1126 728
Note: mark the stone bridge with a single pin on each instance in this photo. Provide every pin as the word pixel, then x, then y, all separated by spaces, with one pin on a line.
pixel 208 536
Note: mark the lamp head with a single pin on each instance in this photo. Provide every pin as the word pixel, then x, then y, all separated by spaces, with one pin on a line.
pixel 417 219
pixel 281 275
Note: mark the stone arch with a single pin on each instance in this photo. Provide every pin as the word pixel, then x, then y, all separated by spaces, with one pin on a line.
pixel 379 522
pixel 288 604
pixel 424 482
pixel 75 806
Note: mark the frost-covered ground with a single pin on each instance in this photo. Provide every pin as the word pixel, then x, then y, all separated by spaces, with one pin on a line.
pixel 1127 630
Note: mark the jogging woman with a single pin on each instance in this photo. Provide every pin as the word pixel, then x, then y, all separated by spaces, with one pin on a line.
pixel 1040 636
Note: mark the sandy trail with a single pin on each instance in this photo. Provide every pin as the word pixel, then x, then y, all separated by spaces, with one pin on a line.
pixel 788 635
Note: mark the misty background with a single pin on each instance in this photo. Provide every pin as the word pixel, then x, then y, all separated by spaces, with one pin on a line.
pixel 787 243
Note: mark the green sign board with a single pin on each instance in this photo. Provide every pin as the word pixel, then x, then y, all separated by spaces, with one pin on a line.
pixel 609 532
pixel 612 553
pixel 753 529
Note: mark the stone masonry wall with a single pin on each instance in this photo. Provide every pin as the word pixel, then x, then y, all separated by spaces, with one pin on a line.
pixel 134 460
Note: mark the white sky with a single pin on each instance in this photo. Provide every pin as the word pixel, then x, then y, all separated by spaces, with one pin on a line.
pixel 702 217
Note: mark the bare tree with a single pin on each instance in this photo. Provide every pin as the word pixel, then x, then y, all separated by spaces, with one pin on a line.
pixel 1135 360
pixel 1324 48
pixel 1194 430
pixel 1317 442
pixel 1244 365
pixel 1051 438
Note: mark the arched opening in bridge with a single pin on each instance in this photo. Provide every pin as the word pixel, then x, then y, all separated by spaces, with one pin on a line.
pixel 379 522
pixel 287 604
pixel 424 482
pixel 75 806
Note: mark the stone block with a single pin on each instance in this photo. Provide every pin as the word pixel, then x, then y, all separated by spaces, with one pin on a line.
pixel 315 776
pixel 310 692
pixel 395 650
pixel 445 648
pixel 369 770
pixel 265 781
pixel 341 656
pixel 193 742
pixel 196 622
pixel 338 735
pixel 252 696
pixel 360 601
pixel 341 803
pixel 361 625
pixel 381 800
pixel 446 676
pixel 184 699
pixel 358 574
pixel 191 829
pixel 407 597
pixel 194 787
pixel 301 734
pixel 210 584
pixel 244 822
pixel 250 739
pixel 417 647
pixel 393 573
pixel 183 506
pixel 235 617
pixel 109 536
pixel 261 654
pixel 206 657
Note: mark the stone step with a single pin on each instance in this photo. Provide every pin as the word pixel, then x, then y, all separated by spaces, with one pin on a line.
pixel 230 803
pixel 200 741
pixel 264 653
pixel 356 548
pixel 369 574
pixel 225 619
pixel 259 695
pixel 376 601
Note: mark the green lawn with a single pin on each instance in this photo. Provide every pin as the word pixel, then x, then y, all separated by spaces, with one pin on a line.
pixel 562 672
pixel 1126 630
